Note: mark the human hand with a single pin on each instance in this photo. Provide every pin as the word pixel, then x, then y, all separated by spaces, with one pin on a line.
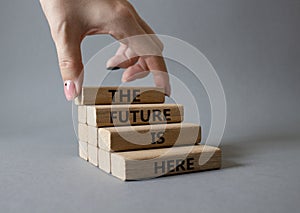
pixel 71 21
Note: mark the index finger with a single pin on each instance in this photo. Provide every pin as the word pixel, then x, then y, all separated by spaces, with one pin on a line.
pixel 157 66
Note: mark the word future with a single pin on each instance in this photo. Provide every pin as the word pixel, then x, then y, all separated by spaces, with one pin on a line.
pixel 155 115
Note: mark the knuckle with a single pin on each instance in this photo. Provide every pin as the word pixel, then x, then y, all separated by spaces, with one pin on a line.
pixel 123 12
pixel 69 64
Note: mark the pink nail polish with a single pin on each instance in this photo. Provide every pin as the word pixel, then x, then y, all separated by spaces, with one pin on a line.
pixel 70 90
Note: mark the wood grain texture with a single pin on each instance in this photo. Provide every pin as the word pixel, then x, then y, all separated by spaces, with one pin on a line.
pixel 83 132
pixel 136 165
pixel 148 136
pixel 82 114
pixel 137 114
pixel 104 160
pixel 120 95
pixel 93 154
pixel 83 149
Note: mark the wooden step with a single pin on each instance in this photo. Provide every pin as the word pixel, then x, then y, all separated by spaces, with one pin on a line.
pixel 137 114
pixel 128 138
pixel 143 164
pixel 120 95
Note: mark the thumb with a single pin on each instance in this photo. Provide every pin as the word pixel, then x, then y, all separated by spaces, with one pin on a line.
pixel 70 64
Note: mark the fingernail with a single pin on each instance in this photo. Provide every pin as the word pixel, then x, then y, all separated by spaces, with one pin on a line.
pixel 70 90
pixel 113 68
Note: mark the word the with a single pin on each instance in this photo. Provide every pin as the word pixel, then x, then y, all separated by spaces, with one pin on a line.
pixel 125 97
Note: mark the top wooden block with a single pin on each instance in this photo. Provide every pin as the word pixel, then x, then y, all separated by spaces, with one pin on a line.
pixel 120 95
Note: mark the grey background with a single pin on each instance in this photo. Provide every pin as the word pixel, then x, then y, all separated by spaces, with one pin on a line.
pixel 254 47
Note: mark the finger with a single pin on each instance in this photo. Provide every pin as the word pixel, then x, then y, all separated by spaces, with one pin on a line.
pixel 142 44
pixel 134 73
pixel 137 71
pixel 112 63
pixel 124 58
pixel 70 63
pixel 157 67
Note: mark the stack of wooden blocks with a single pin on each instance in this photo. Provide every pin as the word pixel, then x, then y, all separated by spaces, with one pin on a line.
pixel 130 133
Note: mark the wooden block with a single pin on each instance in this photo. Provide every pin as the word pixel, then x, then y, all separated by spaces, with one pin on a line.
pixel 137 114
pixel 93 135
pixel 148 136
pixel 83 132
pixel 120 95
pixel 104 160
pixel 82 114
pixel 93 155
pixel 83 149
pixel 135 165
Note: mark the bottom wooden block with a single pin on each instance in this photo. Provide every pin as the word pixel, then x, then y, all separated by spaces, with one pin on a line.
pixel 104 160
pixel 136 165
pixel 83 150
pixel 93 154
